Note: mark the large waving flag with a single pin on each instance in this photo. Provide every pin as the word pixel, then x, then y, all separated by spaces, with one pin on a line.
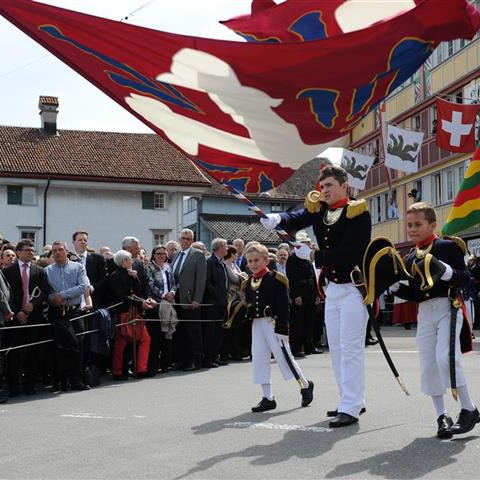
pixel 465 212
pixel 306 20
pixel 249 114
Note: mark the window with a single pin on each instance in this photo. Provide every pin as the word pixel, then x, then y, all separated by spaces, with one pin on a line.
pixel 276 207
pixel 189 204
pixel 460 174
pixel 379 208
pixel 392 210
pixel 158 200
pixel 159 238
pixel 437 189
pixel 449 180
pixel 433 119
pixel 417 123
pixel 28 235
pixel 19 195
pixel 154 200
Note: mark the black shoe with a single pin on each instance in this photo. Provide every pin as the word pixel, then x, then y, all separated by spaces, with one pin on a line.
pixel 210 365
pixel 79 386
pixel 237 358
pixel 315 351
pixel 220 362
pixel 466 421
pixel 145 374
pixel 307 394
pixel 334 413
pixel 120 378
pixel 13 392
pixel 190 367
pixel 264 405
pixel 30 391
pixel 444 423
pixel 370 341
pixel 3 399
pixel 298 354
pixel 342 420
pixel 55 388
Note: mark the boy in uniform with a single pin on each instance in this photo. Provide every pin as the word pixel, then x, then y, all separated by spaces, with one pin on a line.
pixel 439 271
pixel 266 296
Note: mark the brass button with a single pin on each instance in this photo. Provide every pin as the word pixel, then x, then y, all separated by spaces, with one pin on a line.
pixel 335 279
pixel 427 294
pixel 325 238
pixel 327 246
pixel 333 271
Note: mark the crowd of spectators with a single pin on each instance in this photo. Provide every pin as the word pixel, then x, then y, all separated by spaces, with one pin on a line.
pixel 72 316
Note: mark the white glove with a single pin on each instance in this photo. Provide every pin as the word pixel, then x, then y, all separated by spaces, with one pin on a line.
pixel 303 251
pixel 448 272
pixel 395 287
pixel 272 220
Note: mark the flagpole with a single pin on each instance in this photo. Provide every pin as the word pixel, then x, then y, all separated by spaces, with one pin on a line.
pixel 240 196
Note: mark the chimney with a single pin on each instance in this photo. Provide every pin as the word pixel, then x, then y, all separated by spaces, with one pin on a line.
pixel 48 113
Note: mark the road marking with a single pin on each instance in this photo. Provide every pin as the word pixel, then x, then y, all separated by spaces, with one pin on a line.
pixel 274 426
pixel 392 351
pixel 96 416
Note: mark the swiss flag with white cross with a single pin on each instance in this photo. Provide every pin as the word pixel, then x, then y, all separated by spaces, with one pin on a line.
pixel 456 126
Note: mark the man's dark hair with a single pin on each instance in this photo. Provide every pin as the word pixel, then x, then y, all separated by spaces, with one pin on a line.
pixel 74 236
pixel 24 243
pixel 338 173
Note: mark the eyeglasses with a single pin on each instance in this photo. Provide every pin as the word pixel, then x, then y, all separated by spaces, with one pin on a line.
pixel 187 238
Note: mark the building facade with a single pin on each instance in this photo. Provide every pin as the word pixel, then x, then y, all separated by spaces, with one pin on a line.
pixel 453 73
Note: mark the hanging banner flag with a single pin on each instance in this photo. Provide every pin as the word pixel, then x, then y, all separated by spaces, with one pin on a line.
pixel 455 126
pixel 249 114
pixel 355 164
pixel 402 149
pixel 306 20
pixel 465 212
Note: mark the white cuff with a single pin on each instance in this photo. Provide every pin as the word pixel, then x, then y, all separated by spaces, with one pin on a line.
pixel 272 220
pixel 448 272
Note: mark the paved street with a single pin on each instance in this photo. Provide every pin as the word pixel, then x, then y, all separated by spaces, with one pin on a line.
pixel 200 426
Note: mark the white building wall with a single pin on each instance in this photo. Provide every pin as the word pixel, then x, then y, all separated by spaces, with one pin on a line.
pixel 108 212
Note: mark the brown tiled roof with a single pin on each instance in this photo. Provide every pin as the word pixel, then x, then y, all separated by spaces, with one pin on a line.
pixel 295 188
pixel 95 156
pixel 247 227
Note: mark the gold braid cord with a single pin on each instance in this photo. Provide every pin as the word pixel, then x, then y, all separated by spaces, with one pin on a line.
pixel 313 201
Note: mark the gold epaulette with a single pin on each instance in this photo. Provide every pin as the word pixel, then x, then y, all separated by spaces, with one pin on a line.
pixel 356 208
pixel 313 201
pixel 461 244
pixel 282 278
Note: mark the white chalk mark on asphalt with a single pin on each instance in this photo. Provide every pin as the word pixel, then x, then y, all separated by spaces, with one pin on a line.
pixel 96 416
pixel 274 426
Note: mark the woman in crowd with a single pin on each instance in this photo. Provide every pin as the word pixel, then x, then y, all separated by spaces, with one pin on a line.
pixel 164 318
pixel 125 287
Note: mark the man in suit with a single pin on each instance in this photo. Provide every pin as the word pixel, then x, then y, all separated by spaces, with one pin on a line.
pixel 24 277
pixel 216 288
pixel 190 274
pixel 94 265
pixel 241 261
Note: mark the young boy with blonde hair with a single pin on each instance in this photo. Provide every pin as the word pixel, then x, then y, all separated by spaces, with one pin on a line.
pixel 439 271
pixel 266 296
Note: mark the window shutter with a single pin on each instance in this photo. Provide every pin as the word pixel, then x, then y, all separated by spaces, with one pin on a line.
pixel 147 200
pixel 14 194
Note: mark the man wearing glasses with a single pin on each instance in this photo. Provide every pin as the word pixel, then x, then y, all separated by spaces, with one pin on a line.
pixel 29 288
pixel 190 274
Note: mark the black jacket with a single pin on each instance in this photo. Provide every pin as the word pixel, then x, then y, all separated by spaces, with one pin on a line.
pixel 121 286
pixel 270 299
pixel 341 245
pixel 216 286
pixel 301 278
pixel 448 252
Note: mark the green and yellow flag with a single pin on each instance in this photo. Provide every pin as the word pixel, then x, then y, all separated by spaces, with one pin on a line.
pixel 465 212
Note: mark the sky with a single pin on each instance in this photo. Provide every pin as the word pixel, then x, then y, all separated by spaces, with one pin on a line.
pixel 27 70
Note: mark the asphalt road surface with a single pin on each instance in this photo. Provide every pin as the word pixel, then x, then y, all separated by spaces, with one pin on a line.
pixel 199 426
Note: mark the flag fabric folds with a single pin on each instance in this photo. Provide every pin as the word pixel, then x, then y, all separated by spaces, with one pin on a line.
pixel 456 126
pixel 246 113
pixel 306 20
pixel 465 212
pixel 402 149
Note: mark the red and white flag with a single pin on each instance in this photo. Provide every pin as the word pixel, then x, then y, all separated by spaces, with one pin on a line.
pixel 456 126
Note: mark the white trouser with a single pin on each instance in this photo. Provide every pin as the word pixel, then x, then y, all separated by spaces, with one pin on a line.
pixel 346 320
pixel 433 340
pixel 264 343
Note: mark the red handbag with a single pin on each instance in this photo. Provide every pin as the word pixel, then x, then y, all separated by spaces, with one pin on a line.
pixel 130 331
